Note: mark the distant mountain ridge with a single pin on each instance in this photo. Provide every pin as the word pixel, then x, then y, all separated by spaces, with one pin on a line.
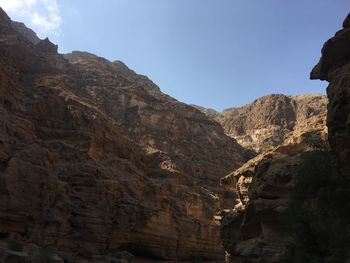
pixel 264 123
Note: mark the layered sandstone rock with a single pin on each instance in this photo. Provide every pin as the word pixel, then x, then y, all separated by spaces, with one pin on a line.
pixel 263 124
pixel 257 228
pixel 95 159
pixel 334 66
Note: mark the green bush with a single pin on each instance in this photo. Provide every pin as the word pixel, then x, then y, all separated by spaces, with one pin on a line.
pixel 319 213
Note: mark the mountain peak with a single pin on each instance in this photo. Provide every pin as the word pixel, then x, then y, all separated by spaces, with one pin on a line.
pixel 4 18
pixel 264 123
pixel 26 32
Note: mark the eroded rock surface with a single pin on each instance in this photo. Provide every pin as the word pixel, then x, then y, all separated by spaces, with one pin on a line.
pixel 263 124
pixel 257 228
pixel 95 159
pixel 292 204
pixel 334 66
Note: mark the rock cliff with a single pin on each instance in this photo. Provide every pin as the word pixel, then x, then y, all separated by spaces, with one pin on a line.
pixel 293 201
pixel 334 66
pixel 263 124
pixel 257 228
pixel 95 159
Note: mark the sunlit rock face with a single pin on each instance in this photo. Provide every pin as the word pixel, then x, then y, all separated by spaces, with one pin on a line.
pixel 263 124
pixel 334 66
pixel 95 159
pixel 256 229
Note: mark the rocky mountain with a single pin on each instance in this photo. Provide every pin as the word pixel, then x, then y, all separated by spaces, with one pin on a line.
pixel 96 160
pixel 25 31
pixel 263 124
pixel 210 113
pixel 98 165
pixel 334 67
pixel 257 227
pixel 292 202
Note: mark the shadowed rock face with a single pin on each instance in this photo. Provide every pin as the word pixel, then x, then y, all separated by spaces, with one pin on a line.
pixel 257 228
pixel 264 124
pixel 334 66
pixel 95 158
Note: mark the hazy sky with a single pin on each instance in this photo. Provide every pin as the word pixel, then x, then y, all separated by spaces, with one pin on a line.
pixel 214 53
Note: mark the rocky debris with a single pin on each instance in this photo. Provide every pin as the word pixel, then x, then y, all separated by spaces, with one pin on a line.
pixel 256 228
pixel 263 124
pixel 334 66
pixel 94 158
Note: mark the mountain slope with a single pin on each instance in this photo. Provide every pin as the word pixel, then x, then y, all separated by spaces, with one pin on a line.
pixel 258 227
pixel 264 123
pixel 95 159
pixel 293 202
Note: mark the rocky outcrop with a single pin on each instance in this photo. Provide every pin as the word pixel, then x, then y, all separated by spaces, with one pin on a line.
pixel 334 66
pixel 258 227
pixel 25 31
pixel 210 113
pixel 156 121
pixel 95 159
pixel 292 203
pixel 263 124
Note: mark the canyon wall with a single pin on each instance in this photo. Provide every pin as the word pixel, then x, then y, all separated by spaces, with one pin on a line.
pixel 334 66
pixel 292 202
pixel 257 227
pixel 263 124
pixel 95 160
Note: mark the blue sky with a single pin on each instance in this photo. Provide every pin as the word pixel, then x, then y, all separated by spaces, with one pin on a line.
pixel 214 53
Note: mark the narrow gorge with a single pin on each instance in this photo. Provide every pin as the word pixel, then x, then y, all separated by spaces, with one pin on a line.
pixel 293 201
pixel 97 164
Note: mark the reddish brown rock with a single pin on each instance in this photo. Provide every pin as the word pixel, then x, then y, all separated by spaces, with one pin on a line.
pixel 257 228
pixel 95 159
pixel 263 124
